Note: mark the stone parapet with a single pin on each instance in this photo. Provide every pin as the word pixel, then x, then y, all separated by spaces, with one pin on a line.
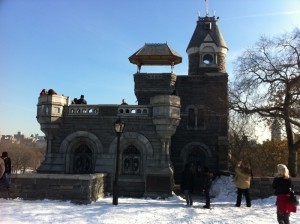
pixel 82 189
pixel 261 187
pixel 50 108
pixel 148 85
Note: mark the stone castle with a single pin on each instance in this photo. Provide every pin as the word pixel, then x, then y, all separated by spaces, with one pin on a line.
pixel 179 119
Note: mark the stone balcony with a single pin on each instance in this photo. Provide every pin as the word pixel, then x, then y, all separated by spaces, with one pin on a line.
pixel 75 110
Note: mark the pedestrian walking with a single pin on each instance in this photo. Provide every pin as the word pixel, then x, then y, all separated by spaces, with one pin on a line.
pixel 187 182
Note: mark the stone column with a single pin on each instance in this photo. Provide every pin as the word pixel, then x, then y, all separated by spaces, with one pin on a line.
pixel 166 117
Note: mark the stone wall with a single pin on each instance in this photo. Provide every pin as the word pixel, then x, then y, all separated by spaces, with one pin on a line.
pixel 147 85
pixel 262 187
pixel 202 94
pixel 82 189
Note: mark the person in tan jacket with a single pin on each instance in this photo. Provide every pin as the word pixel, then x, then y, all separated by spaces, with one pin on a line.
pixel 242 182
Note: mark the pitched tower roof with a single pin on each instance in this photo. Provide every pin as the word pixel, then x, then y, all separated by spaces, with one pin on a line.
pixel 207 31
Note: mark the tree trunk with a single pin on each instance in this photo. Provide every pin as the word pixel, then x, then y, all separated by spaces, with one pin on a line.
pixel 293 162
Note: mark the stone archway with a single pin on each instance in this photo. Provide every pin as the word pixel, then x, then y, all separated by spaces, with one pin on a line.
pixel 196 154
pixel 81 149
pixel 137 140
pixel 198 149
pixel 135 150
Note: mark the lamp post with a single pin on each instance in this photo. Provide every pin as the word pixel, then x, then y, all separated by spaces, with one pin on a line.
pixel 119 128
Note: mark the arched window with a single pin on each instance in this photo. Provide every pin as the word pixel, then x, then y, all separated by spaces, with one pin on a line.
pixel 82 162
pixel 200 118
pixel 131 161
pixel 196 118
pixel 191 117
pixel 208 59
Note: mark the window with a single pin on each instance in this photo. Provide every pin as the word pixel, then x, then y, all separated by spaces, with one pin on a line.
pixel 207 26
pixel 200 118
pixel 191 118
pixel 208 59
pixel 196 118
pixel 82 162
pixel 131 159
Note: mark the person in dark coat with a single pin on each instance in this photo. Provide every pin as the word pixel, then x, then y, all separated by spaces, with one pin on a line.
pixel 282 184
pixel 74 101
pixel 187 182
pixel 7 171
pixel 81 100
pixel 207 181
pixel 124 102
pixel 51 92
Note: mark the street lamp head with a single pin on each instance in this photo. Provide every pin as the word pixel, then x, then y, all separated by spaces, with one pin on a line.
pixel 119 126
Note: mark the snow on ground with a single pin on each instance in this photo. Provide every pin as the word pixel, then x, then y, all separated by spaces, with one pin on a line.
pixel 145 210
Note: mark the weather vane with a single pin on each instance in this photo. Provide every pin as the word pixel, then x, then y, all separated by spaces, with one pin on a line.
pixel 206 7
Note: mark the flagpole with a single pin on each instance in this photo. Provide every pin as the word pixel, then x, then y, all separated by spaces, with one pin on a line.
pixel 206 7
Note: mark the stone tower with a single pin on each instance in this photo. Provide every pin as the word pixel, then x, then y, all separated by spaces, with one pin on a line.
pixel 201 138
pixel 207 49
pixel 275 131
pixel 148 85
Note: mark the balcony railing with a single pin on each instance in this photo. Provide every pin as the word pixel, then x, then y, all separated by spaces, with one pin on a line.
pixel 95 110
pixel 129 110
pixel 81 110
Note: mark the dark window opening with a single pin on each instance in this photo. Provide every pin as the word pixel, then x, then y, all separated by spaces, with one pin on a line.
pixel 82 162
pixel 200 118
pixel 207 26
pixel 208 59
pixel 131 161
pixel 191 118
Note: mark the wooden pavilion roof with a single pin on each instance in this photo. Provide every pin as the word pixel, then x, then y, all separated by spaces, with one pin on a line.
pixel 155 54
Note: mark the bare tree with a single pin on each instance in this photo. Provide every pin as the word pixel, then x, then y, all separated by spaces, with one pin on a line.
pixel 23 156
pixel 267 83
pixel 240 131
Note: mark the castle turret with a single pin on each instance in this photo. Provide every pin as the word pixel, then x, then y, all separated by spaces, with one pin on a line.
pixel 50 109
pixel 201 137
pixel 148 85
pixel 207 49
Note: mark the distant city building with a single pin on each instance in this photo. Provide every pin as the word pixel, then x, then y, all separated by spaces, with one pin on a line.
pixel 276 130
pixel 7 138
pixel 20 138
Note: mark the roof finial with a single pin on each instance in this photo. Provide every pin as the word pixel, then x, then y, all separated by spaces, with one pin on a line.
pixel 206 7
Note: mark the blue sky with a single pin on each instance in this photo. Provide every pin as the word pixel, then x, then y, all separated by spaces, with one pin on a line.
pixel 82 46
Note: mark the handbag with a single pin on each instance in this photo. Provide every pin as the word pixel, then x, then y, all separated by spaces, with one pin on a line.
pixel 294 200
